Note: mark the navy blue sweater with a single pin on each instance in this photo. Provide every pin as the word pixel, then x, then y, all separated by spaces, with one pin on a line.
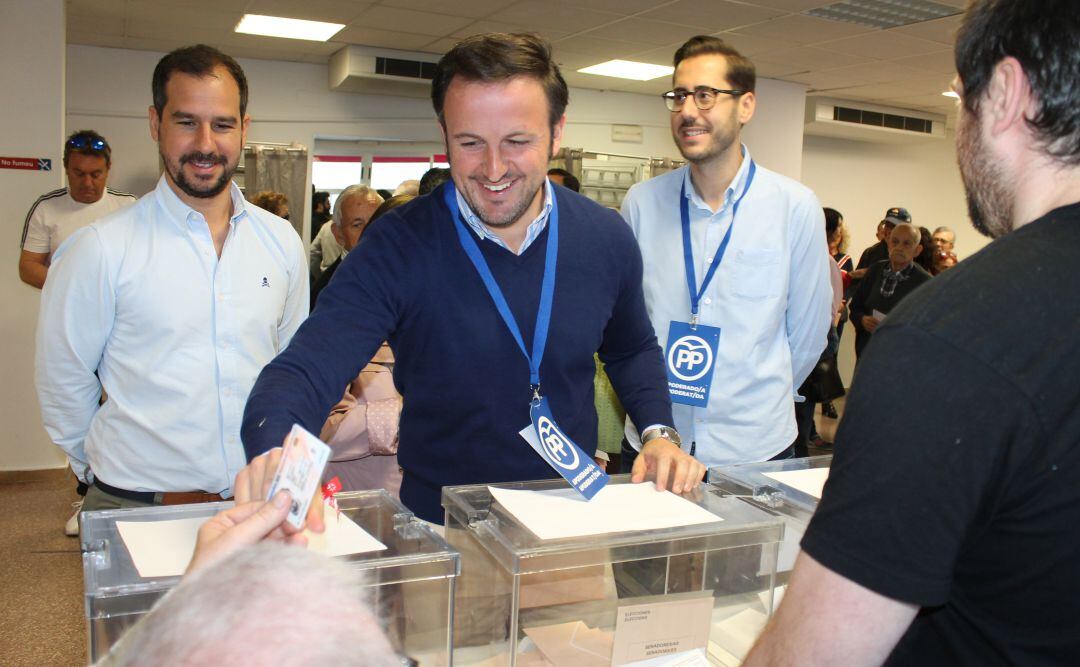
pixel 464 381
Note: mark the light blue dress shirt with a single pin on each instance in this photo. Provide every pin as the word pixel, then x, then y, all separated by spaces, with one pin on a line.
pixel 176 334
pixel 484 232
pixel 770 297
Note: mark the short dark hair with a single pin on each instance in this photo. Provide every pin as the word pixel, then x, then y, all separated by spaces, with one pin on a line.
pixel 320 197
pixel 432 179
pixel 1042 36
pixel 199 60
pixel 832 220
pixel 741 73
pixel 568 179
pixel 83 142
pixel 497 57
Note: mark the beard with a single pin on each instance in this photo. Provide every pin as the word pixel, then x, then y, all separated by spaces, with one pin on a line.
pixel 720 140
pixel 199 190
pixel 508 216
pixel 989 200
pixel 529 186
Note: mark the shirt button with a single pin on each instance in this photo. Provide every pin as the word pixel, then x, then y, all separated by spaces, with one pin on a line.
pixel 708 259
pixel 226 391
pixel 708 301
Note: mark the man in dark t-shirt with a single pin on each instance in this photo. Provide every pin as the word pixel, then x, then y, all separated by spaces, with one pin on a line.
pixel 949 529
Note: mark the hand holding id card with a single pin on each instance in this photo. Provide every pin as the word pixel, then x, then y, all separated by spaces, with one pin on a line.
pixel 299 472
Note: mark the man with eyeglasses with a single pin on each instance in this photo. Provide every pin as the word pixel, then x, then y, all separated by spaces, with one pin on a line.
pixel 58 214
pixel 736 270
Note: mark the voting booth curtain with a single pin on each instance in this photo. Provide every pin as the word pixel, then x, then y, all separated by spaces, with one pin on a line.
pixel 281 169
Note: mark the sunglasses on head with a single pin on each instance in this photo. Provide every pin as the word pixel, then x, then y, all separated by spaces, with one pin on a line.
pixel 87 143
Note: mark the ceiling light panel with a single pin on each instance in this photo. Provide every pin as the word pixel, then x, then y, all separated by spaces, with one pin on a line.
pixel 627 69
pixel 884 13
pixel 276 26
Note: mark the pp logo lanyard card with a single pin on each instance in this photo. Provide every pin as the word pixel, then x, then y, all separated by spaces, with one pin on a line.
pixel 561 453
pixel 692 348
pixel 691 357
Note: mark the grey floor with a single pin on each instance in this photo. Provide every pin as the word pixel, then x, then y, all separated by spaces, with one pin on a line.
pixel 42 621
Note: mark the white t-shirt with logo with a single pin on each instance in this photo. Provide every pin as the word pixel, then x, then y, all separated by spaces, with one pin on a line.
pixel 56 216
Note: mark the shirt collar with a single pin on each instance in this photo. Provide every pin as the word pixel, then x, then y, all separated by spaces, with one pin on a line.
pixel 180 212
pixel 736 186
pixel 484 232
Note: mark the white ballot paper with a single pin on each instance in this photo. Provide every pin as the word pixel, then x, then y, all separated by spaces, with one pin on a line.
pixel 810 481
pixel 164 548
pixel 617 508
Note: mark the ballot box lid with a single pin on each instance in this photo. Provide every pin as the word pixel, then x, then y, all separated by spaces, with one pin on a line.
pixel 412 549
pixel 786 487
pixel 521 550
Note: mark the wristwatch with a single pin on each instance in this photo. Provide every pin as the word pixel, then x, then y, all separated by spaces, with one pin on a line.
pixel 667 432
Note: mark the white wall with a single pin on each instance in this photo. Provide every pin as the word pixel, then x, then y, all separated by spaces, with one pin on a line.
pixel 862 180
pixel 32 115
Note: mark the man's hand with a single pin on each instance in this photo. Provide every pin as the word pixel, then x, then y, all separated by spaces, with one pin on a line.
pixel 253 484
pixel 662 458
pixel 869 323
pixel 857 274
pixel 238 527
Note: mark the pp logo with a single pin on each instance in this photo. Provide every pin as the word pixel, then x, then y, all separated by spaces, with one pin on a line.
pixel 561 452
pixel 690 358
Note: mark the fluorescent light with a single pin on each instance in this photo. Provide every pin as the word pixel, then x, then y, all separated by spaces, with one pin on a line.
pixel 949 93
pixel 275 26
pixel 627 69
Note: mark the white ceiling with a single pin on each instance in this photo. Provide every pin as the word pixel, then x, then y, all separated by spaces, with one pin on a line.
pixel 906 67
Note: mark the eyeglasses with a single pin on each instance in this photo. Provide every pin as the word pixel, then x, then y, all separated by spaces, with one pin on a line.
pixel 704 97
pixel 87 143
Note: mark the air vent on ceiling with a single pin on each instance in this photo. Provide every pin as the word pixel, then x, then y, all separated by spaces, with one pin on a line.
pixel 884 13
pixel 362 69
pixel 860 121
pixel 415 69
pixel 878 119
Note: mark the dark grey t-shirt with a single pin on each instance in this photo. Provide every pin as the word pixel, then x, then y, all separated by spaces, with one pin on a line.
pixel 956 479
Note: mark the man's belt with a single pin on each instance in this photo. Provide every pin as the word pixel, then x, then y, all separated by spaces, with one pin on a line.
pixel 160 497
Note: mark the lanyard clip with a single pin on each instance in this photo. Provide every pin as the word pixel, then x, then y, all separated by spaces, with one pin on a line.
pixel 693 320
pixel 536 392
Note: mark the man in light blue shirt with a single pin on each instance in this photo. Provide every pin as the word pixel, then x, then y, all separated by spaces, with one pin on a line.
pixel 769 293
pixel 176 302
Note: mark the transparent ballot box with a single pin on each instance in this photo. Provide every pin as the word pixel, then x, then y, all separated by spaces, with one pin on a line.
pixel 790 488
pixel 409 583
pixel 615 596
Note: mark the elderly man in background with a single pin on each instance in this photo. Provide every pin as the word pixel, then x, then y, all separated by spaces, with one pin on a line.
pixel 886 283
pixel 945 239
pixel 352 213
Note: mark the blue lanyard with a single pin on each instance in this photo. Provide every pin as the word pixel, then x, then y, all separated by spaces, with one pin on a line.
pixel 547 290
pixel 688 251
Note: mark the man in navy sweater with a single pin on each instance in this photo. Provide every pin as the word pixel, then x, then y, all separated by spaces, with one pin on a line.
pixel 465 380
